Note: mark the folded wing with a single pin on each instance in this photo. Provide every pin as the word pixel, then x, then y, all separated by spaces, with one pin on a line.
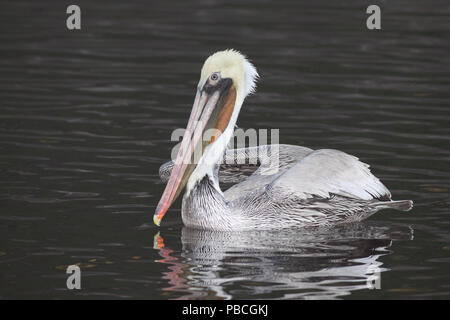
pixel 325 172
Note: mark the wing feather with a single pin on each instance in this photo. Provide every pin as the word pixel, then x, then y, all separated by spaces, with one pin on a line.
pixel 325 172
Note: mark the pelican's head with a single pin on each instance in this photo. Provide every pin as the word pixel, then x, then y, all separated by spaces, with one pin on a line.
pixel 227 77
pixel 229 65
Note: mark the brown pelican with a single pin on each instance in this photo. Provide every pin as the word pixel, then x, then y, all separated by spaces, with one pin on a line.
pixel 308 188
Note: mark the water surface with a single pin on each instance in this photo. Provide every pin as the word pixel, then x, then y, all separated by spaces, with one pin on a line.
pixel 86 118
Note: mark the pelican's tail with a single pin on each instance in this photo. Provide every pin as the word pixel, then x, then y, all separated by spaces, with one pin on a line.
pixel 401 205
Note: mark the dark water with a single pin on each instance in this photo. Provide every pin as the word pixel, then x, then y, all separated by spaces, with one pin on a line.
pixel 86 118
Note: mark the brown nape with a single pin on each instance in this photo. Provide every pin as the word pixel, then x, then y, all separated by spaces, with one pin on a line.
pixel 225 114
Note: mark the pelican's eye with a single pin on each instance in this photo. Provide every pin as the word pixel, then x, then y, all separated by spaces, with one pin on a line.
pixel 214 77
pixel 212 83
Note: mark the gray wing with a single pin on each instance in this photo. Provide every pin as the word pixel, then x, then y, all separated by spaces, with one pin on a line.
pixel 240 164
pixel 325 172
pixel 274 160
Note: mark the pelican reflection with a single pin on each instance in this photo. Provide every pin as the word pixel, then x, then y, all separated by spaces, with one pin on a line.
pixel 289 264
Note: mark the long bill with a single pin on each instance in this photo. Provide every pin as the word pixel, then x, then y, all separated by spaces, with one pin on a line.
pixel 208 112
